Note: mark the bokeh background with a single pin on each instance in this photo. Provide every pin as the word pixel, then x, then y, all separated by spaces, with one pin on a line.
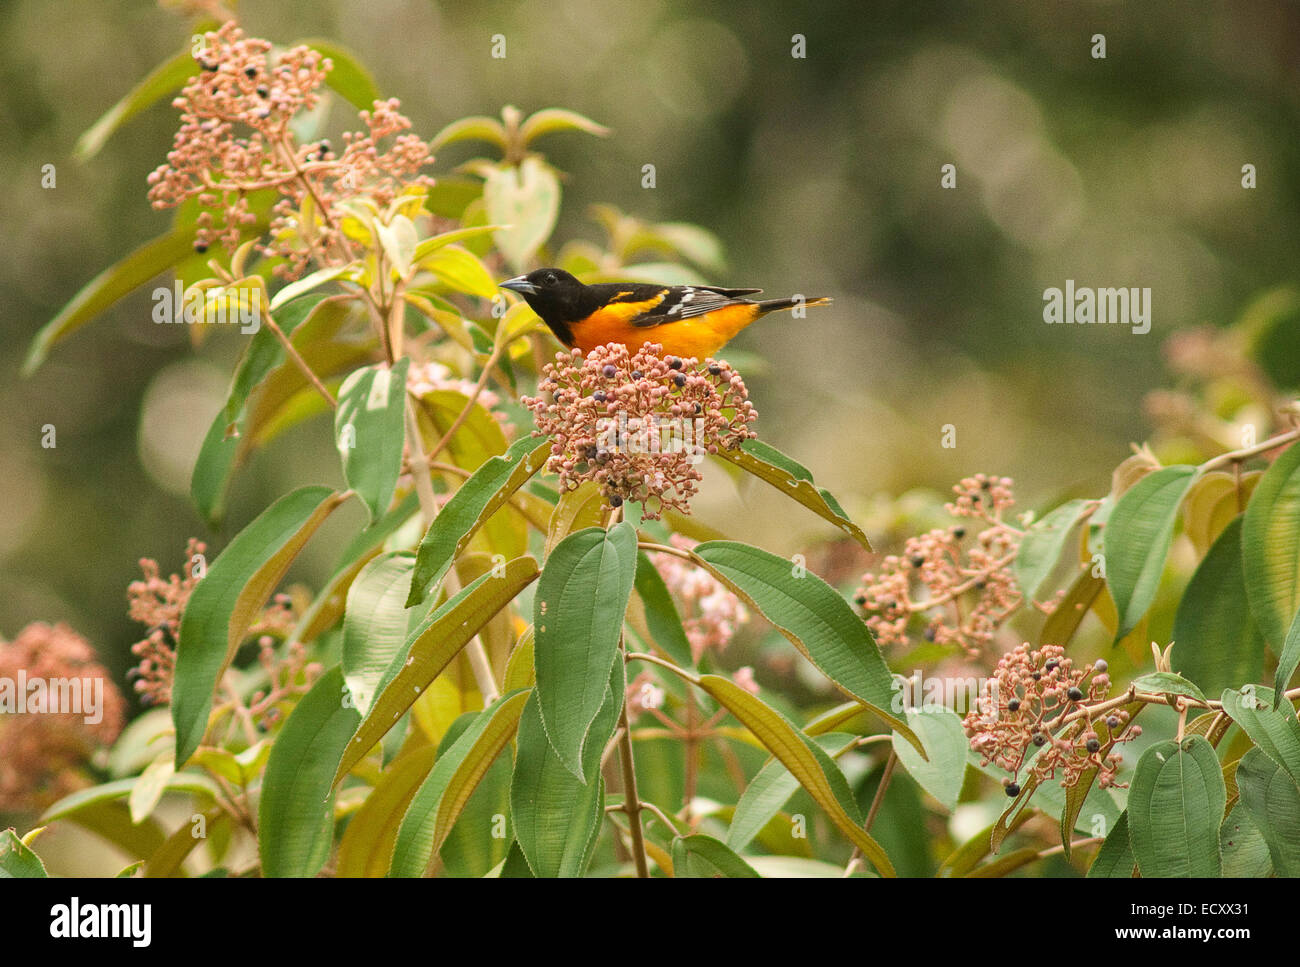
pixel 821 175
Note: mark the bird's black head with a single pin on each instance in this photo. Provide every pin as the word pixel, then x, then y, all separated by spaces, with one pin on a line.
pixel 556 296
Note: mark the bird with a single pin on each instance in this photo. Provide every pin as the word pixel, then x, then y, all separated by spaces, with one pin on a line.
pixel 685 320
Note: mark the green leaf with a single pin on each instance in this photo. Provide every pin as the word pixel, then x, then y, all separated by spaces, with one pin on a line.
pixel 1137 539
pixel 1290 658
pixel 300 287
pixel 349 76
pixel 577 619
pixel 430 245
pixel 431 647
pixel 479 497
pixel 1270 545
pixel 1043 544
pixel 791 478
pixel 814 769
pixel 228 599
pixel 296 812
pixel 1271 799
pixel 1274 731
pixel 557 816
pixel 149 788
pixel 459 269
pixel 1245 853
pixel 813 616
pixel 17 861
pixel 370 431
pixel 1219 645
pixel 940 730
pixel 477 128
pixel 1167 683
pixel 83 799
pixel 167 78
pixel 1175 807
pixel 527 198
pixel 366 849
pixel 265 351
pixel 217 457
pixel 661 616
pixel 457 772
pixel 769 791
pixel 376 624
pixel 703 856
pixel 145 263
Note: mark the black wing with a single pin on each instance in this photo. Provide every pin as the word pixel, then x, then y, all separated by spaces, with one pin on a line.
pixel 688 301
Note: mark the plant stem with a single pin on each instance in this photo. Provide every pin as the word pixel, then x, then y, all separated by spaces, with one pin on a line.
pixel 292 352
pixel 631 801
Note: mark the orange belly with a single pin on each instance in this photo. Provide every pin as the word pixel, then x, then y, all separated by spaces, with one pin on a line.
pixel 700 337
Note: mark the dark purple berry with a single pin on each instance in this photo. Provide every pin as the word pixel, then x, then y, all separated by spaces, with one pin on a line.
pixel 1013 789
pixel 1013 705
pixel 1093 745
pixel 1074 695
pixel 609 372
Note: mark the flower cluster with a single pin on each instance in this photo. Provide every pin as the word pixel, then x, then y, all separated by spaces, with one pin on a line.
pixel 42 744
pixel 711 613
pixel 639 424
pixel 236 138
pixel 1037 701
pixel 965 589
pixel 159 604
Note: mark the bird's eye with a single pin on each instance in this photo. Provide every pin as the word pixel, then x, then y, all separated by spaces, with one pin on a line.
pixel 551 279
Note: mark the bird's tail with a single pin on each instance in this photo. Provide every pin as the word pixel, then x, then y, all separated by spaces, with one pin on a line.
pixel 776 305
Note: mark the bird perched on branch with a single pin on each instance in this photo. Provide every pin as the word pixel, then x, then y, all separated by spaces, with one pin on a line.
pixel 687 320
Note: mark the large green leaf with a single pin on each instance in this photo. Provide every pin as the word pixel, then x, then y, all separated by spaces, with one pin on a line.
pixel 1272 800
pixel 228 599
pixel 940 730
pixel 814 617
pixel 1270 546
pixel 1043 544
pixel 1175 807
pixel 1137 539
pixel 370 431
pixel 431 647
pixel 376 624
pixel 296 814
pixel 1245 853
pixel 527 199
pixel 490 486
pixel 1115 858
pixel 1219 645
pixel 167 78
pixel 795 480
pixel 455 775
pixel 556 815
pixel 1274 731
pixel 577 619
pixel 1289 658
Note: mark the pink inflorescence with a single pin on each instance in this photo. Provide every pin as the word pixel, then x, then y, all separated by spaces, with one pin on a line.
pixel 1024 707
pixel 235 139
pixel 965 589
pixel 638 424
pixel 43 745
pixel 711 613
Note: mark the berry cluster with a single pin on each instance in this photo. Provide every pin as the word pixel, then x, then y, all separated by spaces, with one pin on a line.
pixel 1029 706
pixel 236 138
pixel 965 590
pixel 638 424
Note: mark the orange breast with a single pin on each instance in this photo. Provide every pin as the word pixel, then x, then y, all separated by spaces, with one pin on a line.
pixel 700 336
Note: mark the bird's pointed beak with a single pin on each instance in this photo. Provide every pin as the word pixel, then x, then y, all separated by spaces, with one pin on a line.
pixel 520 284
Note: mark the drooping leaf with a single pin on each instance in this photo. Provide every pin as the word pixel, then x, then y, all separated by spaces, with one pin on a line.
pixel 1137 539
pixel 557 816
pixel 1043 545
pixel 1115 858
pixel 1167 683
pixel 552 119
pixel 814 617
pixel 1175 807
pixel 1271 798
pixel 774 467
pixel 431 647
pixel 491 486
pixel 369 431
pixel 1270 547
pixel 940 730
pixel 577 619
pixel 1217 641
pixel 228 599
pixel 455 775
pixel 376 624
